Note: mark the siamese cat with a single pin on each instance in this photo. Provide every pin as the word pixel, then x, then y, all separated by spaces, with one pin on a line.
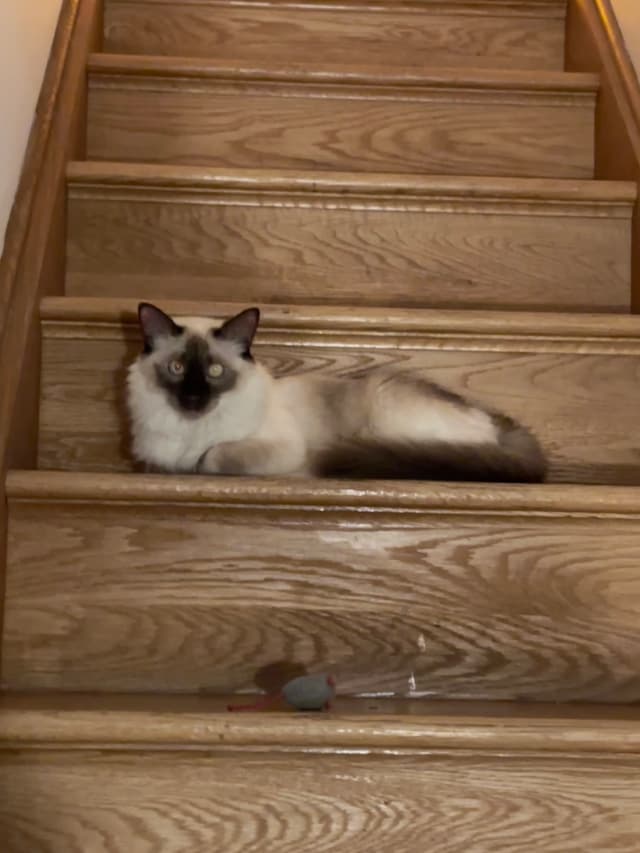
pixel 200 403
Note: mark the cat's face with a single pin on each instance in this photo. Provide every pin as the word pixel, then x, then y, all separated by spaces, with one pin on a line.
pixel 192 362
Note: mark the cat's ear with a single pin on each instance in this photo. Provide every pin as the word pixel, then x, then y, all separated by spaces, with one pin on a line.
pixel 240 330
pixel 154 323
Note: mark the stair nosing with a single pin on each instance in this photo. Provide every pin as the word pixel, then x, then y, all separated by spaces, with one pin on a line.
pixel 517 8
pixel 538 325
pixel 439 78
pixel 211 179
pixel 161 722
pixel 319 494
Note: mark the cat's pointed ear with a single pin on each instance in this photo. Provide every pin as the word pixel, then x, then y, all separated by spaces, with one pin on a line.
pixel 240 330
pixel 154 323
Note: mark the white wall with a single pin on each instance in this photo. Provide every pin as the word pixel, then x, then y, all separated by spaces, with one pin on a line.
pixel 628 15
pixel 26 33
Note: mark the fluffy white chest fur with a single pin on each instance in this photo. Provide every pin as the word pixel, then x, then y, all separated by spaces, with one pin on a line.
pixel 166 438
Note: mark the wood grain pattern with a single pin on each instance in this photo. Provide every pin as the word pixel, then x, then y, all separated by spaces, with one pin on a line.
pixel 595 43
pixel 465 34
pixel 231 802
pixel 190 232
pixel 496 498
pixel 32 262
pixel 568 378
pixel 162 721
pixel 202 112
pixel 444 596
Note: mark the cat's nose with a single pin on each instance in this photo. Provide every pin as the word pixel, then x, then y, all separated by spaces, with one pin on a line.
pixel 193 401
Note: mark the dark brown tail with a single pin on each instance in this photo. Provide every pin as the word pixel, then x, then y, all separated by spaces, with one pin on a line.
pixel 516 458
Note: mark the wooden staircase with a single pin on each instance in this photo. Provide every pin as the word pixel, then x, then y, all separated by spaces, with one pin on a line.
pixel 396 182
pixel 150 774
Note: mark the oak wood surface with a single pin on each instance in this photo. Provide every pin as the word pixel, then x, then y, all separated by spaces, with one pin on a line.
pixel 595 43
pixel 180 584
pixel 32 262
pixel 163 721
pixel 499 499
pixel 354 72
pixel 190 232
pixel 170 584
pixel 228 802
pixel 566 376
pixel 68 313
pixel 465 34
pixel 165 110
pixel 130 772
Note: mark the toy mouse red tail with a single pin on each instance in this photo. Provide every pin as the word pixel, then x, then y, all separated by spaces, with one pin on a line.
pixel 267 702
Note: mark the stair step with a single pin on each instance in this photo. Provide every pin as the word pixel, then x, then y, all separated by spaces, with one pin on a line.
pixel 566 376
pixel 155 583
pixel 275 236
pixel 464 33
pixel 162 721
pixel 180 774
pixel 283 116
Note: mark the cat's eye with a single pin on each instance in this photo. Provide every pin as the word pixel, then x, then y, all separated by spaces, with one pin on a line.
pixel 176 367
pixel 215 370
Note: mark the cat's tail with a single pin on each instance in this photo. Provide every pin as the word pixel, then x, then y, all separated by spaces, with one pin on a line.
pixel 515 458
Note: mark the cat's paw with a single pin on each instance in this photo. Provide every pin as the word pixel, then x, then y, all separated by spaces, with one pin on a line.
pixel 209 462
pixel 222 460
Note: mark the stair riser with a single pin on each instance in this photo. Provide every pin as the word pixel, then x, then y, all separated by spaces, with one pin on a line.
pixel 180 801
pixel 148 595
pixel 314 246
pixel 404 37
pixel 572 392
pixel 454 131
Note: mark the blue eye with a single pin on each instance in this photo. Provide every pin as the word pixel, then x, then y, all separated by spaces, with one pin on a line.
pixel 215 370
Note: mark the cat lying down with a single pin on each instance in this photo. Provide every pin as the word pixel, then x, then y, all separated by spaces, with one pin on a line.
pixel 199 402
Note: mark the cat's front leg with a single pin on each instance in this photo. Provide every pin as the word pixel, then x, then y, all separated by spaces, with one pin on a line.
pixel 253 458
pixel 224 459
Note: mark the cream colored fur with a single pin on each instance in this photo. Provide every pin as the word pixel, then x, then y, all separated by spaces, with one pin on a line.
pixel 276 427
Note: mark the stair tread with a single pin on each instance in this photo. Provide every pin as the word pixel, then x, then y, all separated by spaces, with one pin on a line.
pixel 340 116
pixel 205 178
pixel 340 237
pixel 160 721
pixel 464 32
pixel 564 375
pixel 444 590
pixel 144 65
pixel 438 497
